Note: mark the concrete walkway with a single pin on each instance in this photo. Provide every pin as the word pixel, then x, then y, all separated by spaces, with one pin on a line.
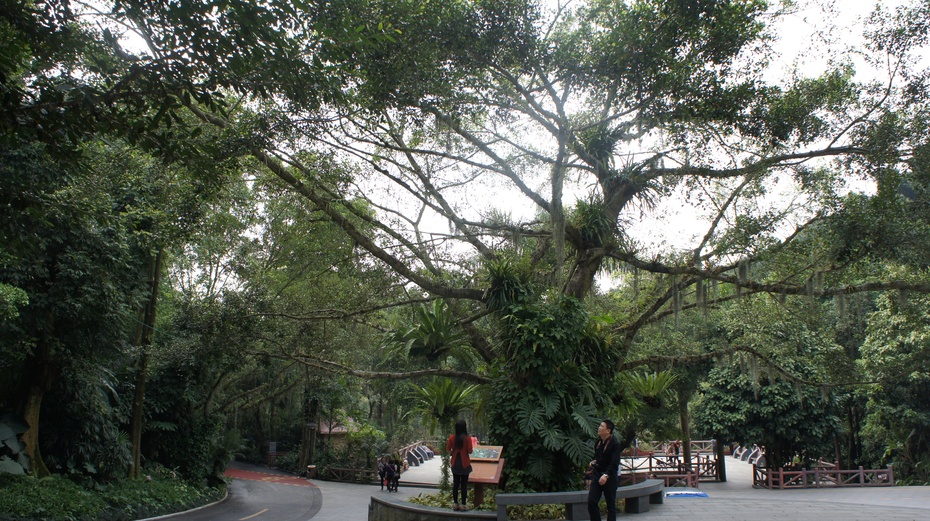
pixel 733 500
pixel 736 499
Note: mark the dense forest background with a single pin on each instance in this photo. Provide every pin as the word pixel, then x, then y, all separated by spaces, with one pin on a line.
pixel 230 223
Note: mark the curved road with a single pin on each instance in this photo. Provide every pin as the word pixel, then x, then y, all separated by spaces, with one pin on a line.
pixel 262 496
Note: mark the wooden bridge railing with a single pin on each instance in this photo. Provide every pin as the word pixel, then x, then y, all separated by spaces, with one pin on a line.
pixel 821 477
pixel 415 453
pixel 703 466
pixel 696 446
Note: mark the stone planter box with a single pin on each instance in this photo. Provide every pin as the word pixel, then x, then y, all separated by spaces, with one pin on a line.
pixel 390 509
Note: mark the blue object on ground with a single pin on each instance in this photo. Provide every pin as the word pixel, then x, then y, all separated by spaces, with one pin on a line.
pixel 684 492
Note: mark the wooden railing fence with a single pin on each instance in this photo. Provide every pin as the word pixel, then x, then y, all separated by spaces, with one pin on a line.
pixel 670 477
pixel 352 475
pixel 673 470
pixel 821 477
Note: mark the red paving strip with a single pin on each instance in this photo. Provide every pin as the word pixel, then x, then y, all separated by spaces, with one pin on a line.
pixel 270 478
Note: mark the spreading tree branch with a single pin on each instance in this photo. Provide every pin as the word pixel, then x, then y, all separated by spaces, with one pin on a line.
pixel 327 365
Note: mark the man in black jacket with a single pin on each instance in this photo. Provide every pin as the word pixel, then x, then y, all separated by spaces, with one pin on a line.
pixel 605 463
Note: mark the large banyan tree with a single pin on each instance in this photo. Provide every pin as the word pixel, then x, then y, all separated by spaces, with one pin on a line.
pixel 502 155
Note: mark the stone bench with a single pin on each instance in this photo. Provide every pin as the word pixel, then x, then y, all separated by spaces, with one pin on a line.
pixel 576 502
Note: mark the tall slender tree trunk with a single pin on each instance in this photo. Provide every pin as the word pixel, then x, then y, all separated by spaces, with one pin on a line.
pixel 261 438
pixel 310 426
pixel 685 418
pixel 557 216
pixel 314 431
pixel 838 452
pixel 143 340
pixel 721 460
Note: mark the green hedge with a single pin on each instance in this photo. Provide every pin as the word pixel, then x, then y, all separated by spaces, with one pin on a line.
pixel 60 499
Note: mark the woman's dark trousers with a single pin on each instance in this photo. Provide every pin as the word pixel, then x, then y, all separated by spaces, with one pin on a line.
pixel 460 482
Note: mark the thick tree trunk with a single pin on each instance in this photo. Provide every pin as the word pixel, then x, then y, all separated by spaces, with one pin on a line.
pixel 40 375
pixel 581 279
pixel 143 340
pixel 616 196
pixel 588 260
pixel 31 411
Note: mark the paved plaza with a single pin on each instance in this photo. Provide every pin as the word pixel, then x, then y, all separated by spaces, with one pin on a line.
pixel 733 500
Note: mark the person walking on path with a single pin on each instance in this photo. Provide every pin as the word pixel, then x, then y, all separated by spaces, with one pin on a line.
pixel 459 446
pixel 383 463
pixel 604 481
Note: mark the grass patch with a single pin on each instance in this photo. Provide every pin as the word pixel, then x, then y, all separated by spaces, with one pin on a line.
pixel 57 498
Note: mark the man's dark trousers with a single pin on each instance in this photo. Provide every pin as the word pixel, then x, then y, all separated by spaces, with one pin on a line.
pixel 609 490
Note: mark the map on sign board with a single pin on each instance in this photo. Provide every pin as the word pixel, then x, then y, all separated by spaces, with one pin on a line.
pixel 487 452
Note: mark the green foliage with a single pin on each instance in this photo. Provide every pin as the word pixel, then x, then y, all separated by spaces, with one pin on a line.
pixel 649 387
pixel 184 428
pixel 654 47
pixel 444 499
pixel 896 353
pixel 441 401
pixel 881 229
pixel 11 299
pixel 83 435
pixel 593 223
pixel 68 78
pixel 554 379
pixel 795 113
pixel 73 252
pixel 364 445
pixel 779 415
pixel 508 284
pixel 26 497
pixel 68 252
pixel 435 335
pixel 192 444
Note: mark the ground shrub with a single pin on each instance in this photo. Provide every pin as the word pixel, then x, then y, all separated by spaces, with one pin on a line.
pixel 58 498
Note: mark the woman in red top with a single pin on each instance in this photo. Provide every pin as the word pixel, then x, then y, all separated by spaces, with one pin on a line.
pixel 459 446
